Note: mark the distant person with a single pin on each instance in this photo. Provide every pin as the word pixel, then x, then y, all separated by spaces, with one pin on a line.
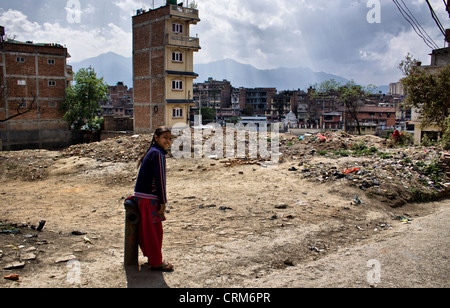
pixel 396 136
pixel 150 194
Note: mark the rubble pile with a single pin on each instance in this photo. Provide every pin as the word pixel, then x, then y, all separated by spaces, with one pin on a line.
pixel 122 149
pixel 399 174
pixel 366 162
pixel 131 148
pixel 444 164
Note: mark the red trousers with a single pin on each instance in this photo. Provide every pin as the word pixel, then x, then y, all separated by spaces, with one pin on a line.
pixel 150 233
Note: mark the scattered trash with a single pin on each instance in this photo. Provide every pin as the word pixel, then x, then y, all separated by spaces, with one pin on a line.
pixel 348 171
pixel 321 137
pixel 87 240
pixel 315 249
pixel 401 218
pixel 78 233
pixel 41 225
pixel 356 200
pixel 12 277
pixel 9 231
pixel 224 208
pixel 383 226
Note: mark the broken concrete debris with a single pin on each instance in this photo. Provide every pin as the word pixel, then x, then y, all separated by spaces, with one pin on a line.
pixel 396 174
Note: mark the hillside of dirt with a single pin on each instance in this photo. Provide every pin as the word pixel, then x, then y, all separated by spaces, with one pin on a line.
pixel 230 223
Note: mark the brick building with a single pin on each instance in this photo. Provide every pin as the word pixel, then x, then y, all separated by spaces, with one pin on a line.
pixel 372 118
pixel 259 99
pixel 33 79
pixel 120 102
pixel 163 64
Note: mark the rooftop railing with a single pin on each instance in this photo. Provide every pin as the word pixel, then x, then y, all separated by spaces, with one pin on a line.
pixel 184 12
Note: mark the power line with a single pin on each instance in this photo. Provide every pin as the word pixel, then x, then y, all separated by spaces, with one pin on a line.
pixel 421 29
pixel 415 25
pixel 436 19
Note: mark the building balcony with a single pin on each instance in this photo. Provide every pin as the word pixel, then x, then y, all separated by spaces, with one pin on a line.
pixel 183 41
pixel 184 12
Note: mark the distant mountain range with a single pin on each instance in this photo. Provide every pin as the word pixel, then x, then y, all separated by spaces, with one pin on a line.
pixel 114 68
pixel 244 75
pixel 111 66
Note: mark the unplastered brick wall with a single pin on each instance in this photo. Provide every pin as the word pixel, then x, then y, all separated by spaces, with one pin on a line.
pixel 149 70
pixel 36 81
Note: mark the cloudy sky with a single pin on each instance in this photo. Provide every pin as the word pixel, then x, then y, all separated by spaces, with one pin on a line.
pixel 341 37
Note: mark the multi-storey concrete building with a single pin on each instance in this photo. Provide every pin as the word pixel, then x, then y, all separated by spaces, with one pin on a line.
pixel 163 64
pixel 33 80
pixel 120 102
pixel 258 98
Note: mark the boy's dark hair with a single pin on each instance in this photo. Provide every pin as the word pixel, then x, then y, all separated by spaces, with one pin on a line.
pixel 158 132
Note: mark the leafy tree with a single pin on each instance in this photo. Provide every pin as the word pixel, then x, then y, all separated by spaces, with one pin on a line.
pixel 82 101
pixel 353 96
pixel 248 111
pixel 280 102
pixel 208 114
pixel 429 92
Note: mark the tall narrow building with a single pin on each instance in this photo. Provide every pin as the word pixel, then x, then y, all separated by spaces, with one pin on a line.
pixel 163 66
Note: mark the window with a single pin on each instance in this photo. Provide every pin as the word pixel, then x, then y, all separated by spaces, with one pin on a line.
pixel 20 59
pixel 177 28
pixel 51 61
pixel 177 113
pixel 177 56
pixel 51 83
pixel 21 82
pixel 177 85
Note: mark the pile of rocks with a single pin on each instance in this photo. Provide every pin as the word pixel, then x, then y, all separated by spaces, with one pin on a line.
pixel 120 149
pixel 411 174
pixel 364 161
pixel 131 148
pixel 444 164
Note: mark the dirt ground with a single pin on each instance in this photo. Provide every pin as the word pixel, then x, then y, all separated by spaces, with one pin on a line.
pixel 244 225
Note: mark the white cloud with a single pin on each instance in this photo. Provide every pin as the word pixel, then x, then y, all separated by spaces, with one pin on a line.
pixel 331 36
pixel 133 5
pixel 81 40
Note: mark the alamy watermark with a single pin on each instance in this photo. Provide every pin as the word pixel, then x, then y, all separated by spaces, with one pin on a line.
pixel 73 9
pixel 241 141
pixel 74 272
pixel 374 274
pixel 374 14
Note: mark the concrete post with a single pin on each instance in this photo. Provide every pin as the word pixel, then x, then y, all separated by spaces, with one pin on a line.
pixel 132 218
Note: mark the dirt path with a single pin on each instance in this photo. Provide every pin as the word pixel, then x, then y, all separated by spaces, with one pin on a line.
pixel 241 226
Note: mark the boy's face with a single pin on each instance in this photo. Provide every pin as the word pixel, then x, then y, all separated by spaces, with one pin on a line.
pixel 164 141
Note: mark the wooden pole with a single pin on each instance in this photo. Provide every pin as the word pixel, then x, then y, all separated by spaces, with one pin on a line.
pixel 132 218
